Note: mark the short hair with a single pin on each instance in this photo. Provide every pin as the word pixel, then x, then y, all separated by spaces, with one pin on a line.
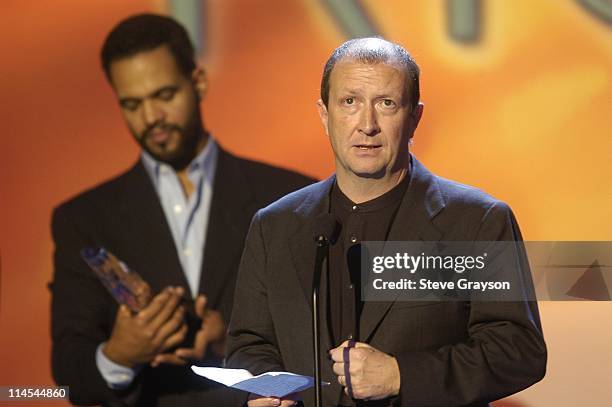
pixel 145 32
pixel 373 50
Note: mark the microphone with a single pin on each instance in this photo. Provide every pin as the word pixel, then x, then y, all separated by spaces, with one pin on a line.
pixel 324 226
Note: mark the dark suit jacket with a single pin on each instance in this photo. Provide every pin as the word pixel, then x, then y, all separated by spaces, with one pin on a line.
pixel 449 353
pixel 125 216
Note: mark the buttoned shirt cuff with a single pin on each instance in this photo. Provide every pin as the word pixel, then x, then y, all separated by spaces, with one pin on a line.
pixel 117 377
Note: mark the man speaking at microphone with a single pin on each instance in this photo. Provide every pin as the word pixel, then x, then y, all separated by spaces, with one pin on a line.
pixel 397 353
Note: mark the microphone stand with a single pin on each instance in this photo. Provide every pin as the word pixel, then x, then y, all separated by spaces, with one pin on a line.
pixel 322 246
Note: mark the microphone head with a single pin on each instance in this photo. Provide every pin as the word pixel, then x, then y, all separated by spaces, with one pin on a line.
pixel 324 227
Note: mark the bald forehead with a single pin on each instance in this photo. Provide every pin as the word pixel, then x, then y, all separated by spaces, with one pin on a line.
pixel 350 70
pixel 392 62
pixel 348 65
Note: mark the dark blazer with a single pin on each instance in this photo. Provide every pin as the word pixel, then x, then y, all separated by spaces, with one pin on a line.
pixel 125 216
pixel 449 353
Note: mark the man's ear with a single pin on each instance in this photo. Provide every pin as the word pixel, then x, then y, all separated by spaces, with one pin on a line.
pixel 200 81
pixel 417 113
pixel 322 109
pixel 415 118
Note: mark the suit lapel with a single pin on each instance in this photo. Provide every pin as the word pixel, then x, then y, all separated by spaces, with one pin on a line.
pixel 233 203
pixel 302 243
pixel 303 251
pixel 422 201
pixel 147 234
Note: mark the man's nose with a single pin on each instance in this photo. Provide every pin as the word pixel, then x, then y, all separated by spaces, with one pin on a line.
pixel 368 124
pixel 151 113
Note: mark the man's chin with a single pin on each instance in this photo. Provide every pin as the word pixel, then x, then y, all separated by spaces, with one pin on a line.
pixel 366 167
pixel 370 173
pixel 172 158
pixel 177 151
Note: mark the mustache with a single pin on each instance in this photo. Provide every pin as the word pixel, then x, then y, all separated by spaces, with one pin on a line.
pixel 167 127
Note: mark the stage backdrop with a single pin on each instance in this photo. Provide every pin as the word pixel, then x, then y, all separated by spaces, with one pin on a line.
pixel 517 97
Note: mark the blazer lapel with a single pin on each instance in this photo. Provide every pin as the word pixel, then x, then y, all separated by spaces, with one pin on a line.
pixel 422 201
pixel 146 233
pixel 303 251
pixel 232 206
pixel 302 243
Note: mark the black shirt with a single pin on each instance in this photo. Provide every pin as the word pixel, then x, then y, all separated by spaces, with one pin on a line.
pixel 368 221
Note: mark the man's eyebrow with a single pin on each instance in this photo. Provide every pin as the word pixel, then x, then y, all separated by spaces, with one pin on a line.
pixel 348 92
pixel 126 99
pixel 157 92
pixel 356 91
pixel 153 94
pixel 388 95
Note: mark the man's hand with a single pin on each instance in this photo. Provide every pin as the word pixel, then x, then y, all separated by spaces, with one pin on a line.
pixel 374 374
pixel 212 331
pixel 138 338
pixel 260 401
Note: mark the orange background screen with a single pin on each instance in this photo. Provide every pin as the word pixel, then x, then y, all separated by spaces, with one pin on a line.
pixel 524 113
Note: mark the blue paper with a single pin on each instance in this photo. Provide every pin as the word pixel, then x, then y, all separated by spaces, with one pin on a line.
pixel 270 384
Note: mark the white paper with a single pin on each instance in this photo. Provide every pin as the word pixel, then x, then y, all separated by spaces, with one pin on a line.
pixel 228 377
pixel 269 384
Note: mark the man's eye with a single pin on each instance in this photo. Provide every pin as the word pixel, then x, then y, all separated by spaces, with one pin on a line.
pixel 349 101
pixel 166 94
pixel 388 103
pixel 130 105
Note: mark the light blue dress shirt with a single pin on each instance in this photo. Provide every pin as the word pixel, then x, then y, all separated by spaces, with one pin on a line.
pixel 187 219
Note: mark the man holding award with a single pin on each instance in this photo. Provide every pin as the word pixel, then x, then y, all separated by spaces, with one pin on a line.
pixel 178 218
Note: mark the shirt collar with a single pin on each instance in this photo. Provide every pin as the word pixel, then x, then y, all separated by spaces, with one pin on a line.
pixel 391 197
